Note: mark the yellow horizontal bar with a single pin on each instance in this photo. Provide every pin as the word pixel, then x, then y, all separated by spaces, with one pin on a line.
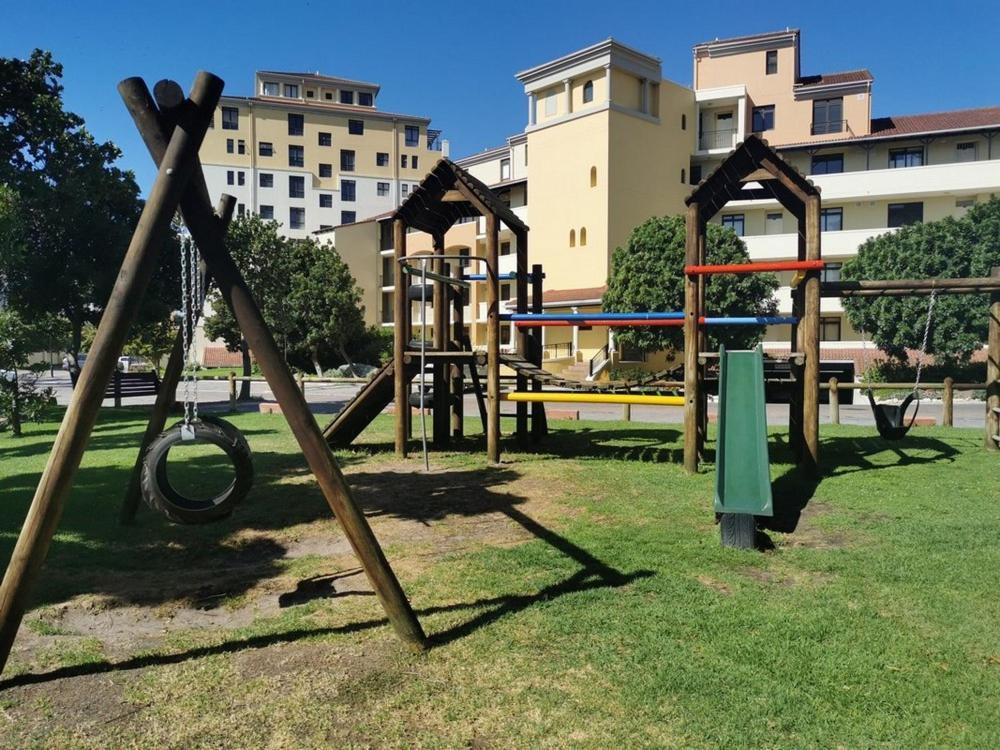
pixel 573 397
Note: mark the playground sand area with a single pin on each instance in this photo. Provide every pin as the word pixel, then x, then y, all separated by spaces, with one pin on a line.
pixel 575 596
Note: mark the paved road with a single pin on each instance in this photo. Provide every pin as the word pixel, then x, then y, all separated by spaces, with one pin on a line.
pixel 329 398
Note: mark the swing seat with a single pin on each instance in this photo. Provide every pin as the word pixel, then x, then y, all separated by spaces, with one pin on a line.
pixel 889 418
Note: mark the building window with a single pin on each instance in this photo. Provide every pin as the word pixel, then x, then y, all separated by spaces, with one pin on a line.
pixel 382 159
pixel 550 104
pixel 266 180
pixel 829 329
pixel 348 217
pixel 572 238
pixel 265 149
pixel 504 169
pixel 241 178
pixel 310 94
pixel 365 98
pixel 901 214
pixel 270 88
pixel 267 212
pixel 695 174
pixel 348 190
pixel 325 139
pixel 504 248
pixel 291 91
pixel 325 200
pixel 296 124
pixel 387 307
pixel 412 135
pixel 763 118
pixel 382 188
pixel 346 97
pixel 505 293
pixel 414 161
pixel 965 151
pixel 827 164
pixel 356 127
pixel 831 219
pixel 830 272
pixel 771 62
pixel 230 118
pixel 405 189
pixel 241 146
pixel 912 156
pixel 229 145
pixel 241 209
pixel 328 96
pixel 828 116
pixel 230 177
pixel 683 176
pixel 583 236
pixel 404 160
pixel 774 223
pixel 588 92
pixel 346 160
pixel 296 186
pixel 684 122
pixel 296 218
pixel 964 204
pixel 326 170
pixel 734 222
pixel 296 156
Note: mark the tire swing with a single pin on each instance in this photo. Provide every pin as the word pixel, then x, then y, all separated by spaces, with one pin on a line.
pixel 157 490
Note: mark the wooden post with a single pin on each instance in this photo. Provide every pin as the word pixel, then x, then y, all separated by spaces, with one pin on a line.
pixel 440 403
pixel 993 370
pixel 401 335
pixel 116 380
pixel 539 423
pixel 207 232
pixel 179 159
pixel 810 340
pixel 627 412
pixel 232 391
pixel 948 403
pixel 522 341
pixel 457 368
pixel 301 378
pixel 834 402
pixel 691 313
pixel 492 340
pixel 796 392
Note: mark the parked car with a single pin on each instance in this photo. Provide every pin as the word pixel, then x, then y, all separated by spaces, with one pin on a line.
pixel 128 363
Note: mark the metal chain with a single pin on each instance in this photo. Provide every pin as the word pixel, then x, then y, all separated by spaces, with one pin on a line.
pixel 190 294
pixel 927 331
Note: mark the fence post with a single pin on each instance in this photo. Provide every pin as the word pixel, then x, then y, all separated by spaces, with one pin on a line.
pixel 627 412
pixel 834 402
pixel 302 382
pixel 232 391
pixel 948 405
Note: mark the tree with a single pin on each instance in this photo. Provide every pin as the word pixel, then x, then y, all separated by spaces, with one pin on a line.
pixel 948 248
pixel 78 210
pixel 647 275
pixel 20 398
pixel 325 303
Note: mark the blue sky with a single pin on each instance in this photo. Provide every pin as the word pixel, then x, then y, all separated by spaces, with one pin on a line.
pixel 455 61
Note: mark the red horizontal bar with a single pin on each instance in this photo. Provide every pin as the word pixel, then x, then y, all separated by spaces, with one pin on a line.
pixel 603 323
pixel 777 265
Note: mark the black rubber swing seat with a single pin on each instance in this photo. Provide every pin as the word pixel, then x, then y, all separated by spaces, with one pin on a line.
pixel 160 495
pixel 889 418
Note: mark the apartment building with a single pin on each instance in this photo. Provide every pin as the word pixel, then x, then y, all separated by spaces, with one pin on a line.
pixel 609 143
pixel 312 151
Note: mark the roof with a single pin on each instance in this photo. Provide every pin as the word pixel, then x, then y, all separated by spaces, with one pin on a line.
pixel 428 210
pixel 313 106
pixel 749 37
pixel 752 161
pixel 585 294
pixel 846 76
pixel 318 77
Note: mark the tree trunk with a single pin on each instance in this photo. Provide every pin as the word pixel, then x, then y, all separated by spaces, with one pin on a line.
pixel 315 360
pixel 247 369
pixel 15 412
pixel 343 354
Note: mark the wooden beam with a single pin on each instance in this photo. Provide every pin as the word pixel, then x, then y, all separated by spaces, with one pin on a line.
pixel 492 338
pixel 809 328
pixel 691 313
pixel 993 369
pixel 401 337
pixel 454 196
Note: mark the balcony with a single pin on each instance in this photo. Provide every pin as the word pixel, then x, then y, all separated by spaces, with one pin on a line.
pixel 520 212
pixel 724 138
pixel 764 247
pixel 828 127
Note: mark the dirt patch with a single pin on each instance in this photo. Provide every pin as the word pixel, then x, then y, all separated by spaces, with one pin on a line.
pixel 811 534
pixel 785 579
pixel 714 584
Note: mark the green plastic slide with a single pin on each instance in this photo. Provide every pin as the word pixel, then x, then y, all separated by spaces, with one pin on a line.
pixel 743 472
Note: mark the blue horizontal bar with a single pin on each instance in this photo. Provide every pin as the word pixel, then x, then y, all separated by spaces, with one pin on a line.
pixel 569 317
pixel 763 320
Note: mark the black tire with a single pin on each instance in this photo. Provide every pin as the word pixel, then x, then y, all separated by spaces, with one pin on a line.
pixel 738 530
pixel 161 496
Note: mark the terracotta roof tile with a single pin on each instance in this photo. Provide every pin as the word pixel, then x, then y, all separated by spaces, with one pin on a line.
pixel 934 121
pixel 573 295
pixel 846 76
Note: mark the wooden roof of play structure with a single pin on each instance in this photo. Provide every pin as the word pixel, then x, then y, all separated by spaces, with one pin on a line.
pixel 754 161
pixel 447 195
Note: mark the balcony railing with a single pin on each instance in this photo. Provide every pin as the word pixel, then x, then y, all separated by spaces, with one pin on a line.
pixel 433 140
pixel 722 138
pixel 557 351
pixel 598 360
pixel 829 126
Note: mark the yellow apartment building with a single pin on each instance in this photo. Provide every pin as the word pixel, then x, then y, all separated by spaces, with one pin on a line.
pixel 608 143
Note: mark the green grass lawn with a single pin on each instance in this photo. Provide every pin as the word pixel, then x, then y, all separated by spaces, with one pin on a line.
pixel 576 596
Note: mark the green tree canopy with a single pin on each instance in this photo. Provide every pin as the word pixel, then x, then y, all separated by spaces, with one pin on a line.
pixel 948 248
pixel 77 209
pixel 647 275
